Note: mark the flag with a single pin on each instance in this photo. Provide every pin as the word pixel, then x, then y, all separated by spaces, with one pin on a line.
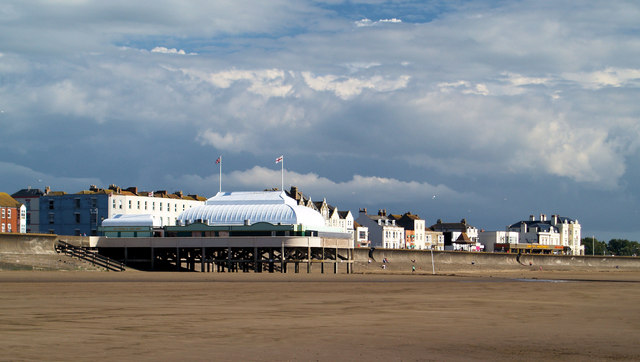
pixel 279 159
pixel 218 160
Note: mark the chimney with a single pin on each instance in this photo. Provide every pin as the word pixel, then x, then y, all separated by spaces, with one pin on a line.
pixel 178 193
pixel 532 218
pixel 543 217
pixel 47 190
pixel 363 211
pixel 554 219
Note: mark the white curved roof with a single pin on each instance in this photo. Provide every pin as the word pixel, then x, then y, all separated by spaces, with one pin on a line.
pixel 132 220
pixel 233 208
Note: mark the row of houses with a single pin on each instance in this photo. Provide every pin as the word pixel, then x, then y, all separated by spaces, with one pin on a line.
pixel 99 211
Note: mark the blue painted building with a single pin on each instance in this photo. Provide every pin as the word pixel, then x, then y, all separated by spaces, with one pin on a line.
pixel 73 214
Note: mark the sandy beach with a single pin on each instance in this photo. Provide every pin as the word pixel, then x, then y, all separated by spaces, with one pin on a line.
pixel 299 317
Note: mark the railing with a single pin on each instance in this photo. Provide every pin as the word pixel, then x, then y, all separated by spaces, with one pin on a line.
pixel 90 256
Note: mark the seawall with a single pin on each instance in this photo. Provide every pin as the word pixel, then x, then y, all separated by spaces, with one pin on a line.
pixel 371 261
pixel 27 243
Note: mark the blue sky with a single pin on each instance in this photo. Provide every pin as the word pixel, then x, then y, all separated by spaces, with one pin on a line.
pixel 489 111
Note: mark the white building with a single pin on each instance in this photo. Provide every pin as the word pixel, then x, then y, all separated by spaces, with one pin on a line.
pixel 383 231
pixel 433 239
pixel 490 238
pixel 361 236
pixel 414 230
pixel 558 231
pixel 163 207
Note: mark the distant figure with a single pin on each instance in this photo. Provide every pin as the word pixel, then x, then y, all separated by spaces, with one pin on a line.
pixel 369 261
pixel 530 263
pixel 384 266
pixel 413 268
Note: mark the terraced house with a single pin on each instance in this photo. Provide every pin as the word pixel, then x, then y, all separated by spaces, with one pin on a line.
pixel 12 215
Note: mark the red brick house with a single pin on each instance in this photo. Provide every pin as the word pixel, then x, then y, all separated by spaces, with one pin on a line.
pixel 11 212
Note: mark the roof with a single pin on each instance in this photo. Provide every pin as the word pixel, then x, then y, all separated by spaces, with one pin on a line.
pixel 463 239
pixel 132 220
pixel 544 226
pixel 28 193
pixel 236 208
pixel 7 201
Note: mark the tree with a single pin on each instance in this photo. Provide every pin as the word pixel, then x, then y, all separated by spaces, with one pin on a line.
pixel 590 243
pixel 624 247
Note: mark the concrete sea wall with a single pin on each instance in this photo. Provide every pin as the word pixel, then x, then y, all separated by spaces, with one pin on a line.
pixel 27 243
pixel 370 261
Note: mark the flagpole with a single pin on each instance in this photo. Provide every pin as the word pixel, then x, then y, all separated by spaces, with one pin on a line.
pixel 282 176
pixel 220 180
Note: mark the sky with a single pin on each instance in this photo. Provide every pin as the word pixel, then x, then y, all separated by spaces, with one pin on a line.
pixel 485 110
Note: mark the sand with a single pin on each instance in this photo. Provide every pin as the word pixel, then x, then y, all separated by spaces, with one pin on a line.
pixel 198 316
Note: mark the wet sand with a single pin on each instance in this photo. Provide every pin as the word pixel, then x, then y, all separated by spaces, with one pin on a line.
pixel 193 316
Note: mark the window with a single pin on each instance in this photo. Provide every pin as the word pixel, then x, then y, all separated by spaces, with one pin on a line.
pixel 145 205
pixel 120 204
pixel 8 227
pixel 76 202
pixel 50 204
pixel 8 213
pixel 362 234
pixel 3 212
pixel 129 204
pixel 52 218
pixel 114 204
pixel 2 227
pixel 138 204
pixel 77 216
pixel 27 203
pixel 94 202
pixel 153 206
pixel 160 206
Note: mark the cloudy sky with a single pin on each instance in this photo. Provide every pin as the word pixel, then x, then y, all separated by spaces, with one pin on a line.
pixel 484 110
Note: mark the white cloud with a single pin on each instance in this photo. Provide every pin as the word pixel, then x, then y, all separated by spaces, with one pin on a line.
pixel 168 51
pixel 349 87
pixel 521 80
pixel 582 154
pixel 265 82
pixel 228 141
pixel 368 22
pixel 609 77
pixel 465 87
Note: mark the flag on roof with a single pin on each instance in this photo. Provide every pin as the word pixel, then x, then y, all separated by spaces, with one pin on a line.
pixel 219 160
pixel 279 159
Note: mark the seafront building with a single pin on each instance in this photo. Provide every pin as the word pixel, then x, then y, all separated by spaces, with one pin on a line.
pixel 30 198
pixel 414 230
pixel 82 213
pixel 458 235
pixel 557 234
pixel 13 215
pixel 383 231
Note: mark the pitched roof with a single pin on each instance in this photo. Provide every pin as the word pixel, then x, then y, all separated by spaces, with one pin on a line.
pixel 7 201
pixel 28 193
pixel 463 239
